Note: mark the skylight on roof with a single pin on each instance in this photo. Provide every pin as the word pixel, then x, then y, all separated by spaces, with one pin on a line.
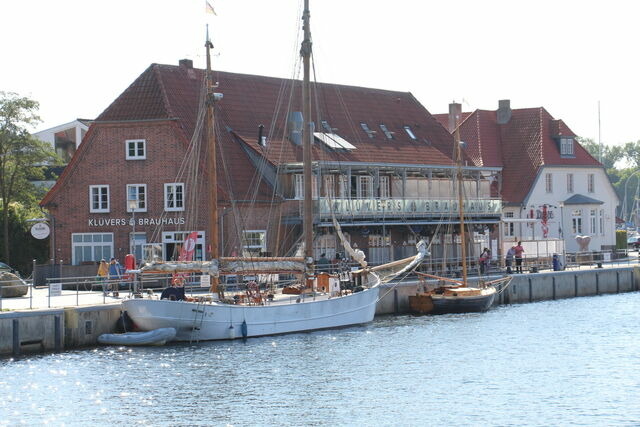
pixel 365 127
pixel 334 141
pixel 410 132
pixel 388 134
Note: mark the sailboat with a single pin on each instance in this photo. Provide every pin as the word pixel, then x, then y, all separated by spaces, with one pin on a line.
pixel 439 294
pixel 214 317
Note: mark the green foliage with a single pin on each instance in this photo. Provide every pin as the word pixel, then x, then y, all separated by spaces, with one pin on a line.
pixel 24 247
pixel 21 159
pixel 621 239
pixel 622 178
pixel 611 154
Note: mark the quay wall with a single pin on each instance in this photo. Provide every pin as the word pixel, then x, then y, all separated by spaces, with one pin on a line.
pixel 45 330
pixel 24 332
pixel 532 287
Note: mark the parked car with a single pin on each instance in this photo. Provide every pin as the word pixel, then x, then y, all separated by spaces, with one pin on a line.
pixel 4 268
pixel 633 242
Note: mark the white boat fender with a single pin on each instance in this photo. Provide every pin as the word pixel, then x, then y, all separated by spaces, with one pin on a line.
pixel 232 332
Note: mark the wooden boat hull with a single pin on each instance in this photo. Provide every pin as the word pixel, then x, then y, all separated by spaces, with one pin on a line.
pixel 216 321
pixel 453 301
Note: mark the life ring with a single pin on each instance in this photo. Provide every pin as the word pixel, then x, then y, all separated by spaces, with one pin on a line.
pixel 253 290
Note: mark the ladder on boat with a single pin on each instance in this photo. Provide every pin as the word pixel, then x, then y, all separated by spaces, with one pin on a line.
pixel 198 320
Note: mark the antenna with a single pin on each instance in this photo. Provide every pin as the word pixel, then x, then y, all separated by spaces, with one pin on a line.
pixel 599 135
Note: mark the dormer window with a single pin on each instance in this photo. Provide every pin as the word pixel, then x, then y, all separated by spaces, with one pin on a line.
pixel 326 126
pixel 566 147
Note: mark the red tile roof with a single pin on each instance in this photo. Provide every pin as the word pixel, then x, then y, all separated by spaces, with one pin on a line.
pixel 165 91
pixel 521 146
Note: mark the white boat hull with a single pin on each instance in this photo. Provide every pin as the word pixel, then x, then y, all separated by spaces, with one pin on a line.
pixel 214 321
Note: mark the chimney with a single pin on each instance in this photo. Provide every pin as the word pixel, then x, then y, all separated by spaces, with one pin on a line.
pixel 504 111
pixel 455 115
pixel 186 63
pixel 296 124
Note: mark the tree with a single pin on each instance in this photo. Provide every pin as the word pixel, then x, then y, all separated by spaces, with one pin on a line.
pixel 611 154
pixel 21 158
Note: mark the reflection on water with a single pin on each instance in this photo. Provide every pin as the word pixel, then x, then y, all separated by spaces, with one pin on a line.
pixel 552 363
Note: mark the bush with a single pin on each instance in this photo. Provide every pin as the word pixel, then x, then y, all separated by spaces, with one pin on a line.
pixel 621 239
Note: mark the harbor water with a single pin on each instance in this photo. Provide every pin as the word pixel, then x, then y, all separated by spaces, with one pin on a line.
pixel 565 362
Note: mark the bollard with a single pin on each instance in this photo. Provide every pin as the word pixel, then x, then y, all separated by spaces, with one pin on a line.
pixel 57 328
pixel 16 337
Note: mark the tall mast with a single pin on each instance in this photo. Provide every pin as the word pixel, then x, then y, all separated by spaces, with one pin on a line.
pixel 463 239
pixel 211 150
pixel 307 135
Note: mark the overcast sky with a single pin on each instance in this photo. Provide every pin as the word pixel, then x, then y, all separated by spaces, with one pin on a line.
pixel 75 57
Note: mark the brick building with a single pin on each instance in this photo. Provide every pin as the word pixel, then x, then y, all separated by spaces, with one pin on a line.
pixel 381 163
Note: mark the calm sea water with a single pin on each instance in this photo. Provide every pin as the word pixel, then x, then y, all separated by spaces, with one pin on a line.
pixel 568 362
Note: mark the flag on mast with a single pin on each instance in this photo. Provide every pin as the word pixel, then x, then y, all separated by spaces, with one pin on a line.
pixel 209 8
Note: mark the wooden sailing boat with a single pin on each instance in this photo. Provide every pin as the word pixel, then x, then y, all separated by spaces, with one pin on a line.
pixel 255 314
pixel 440 294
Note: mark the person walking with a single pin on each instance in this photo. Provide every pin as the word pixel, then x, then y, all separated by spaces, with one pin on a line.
pixel 102 275
pixel 519 250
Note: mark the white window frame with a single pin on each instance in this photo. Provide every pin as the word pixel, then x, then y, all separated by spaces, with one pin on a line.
pixel 329 184
pixel 100 247
pixel 298 186
pixel 593 214
pixel 385 189
pixel 97 206
pixel 602 221
pixel 249 246
pixel 136 144
pixel 170 193
pixel 509 227
pixel 344 187
pixel 142 201
pixel 566 146
pixel 570 183
pixel 548 183
pixel 591 180
pixel 364 190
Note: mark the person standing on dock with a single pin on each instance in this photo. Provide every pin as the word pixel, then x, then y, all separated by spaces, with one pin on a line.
pixel 509 258
pixel 519 250
pixel 114 275
pixel 103 272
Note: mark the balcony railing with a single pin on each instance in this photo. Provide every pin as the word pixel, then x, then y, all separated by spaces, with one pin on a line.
pixel 368 208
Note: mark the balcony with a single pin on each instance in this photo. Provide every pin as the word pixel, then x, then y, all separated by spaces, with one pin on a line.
pixel 403 208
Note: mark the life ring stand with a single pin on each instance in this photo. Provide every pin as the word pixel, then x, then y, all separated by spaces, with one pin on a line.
pixel 253 292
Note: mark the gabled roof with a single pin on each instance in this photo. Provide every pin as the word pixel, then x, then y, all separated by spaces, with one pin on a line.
pixel 521 146
pixel 579 199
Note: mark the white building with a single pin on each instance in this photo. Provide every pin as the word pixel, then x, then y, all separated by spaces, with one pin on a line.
pixel 551 187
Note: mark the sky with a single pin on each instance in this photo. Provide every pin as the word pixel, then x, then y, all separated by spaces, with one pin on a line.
pixel 75 57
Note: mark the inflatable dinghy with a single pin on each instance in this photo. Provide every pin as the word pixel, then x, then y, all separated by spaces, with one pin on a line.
pixel 155 337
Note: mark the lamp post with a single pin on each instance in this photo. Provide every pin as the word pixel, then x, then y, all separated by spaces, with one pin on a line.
pixel 132 204
pixel 564 243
